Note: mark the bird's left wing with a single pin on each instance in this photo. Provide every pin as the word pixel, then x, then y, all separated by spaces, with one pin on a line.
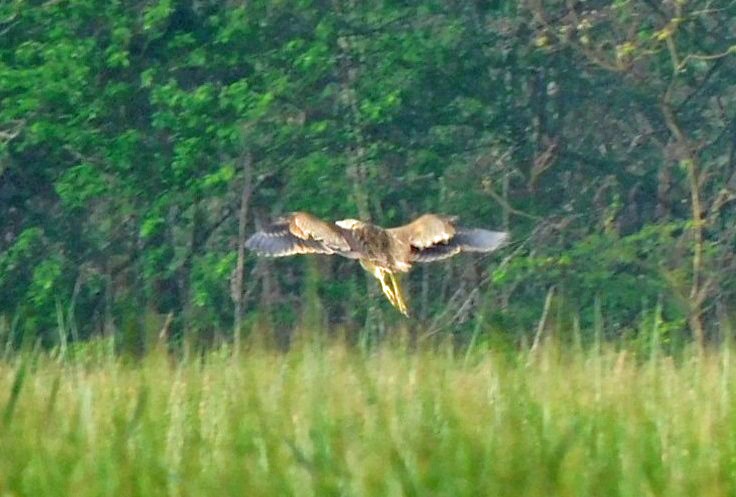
pixel 298 233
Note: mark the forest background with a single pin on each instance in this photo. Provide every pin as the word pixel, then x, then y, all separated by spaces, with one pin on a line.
pixel 141 141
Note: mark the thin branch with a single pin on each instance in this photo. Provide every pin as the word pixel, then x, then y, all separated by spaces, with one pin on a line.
pixel 542 325
pixel 439 322
pixel 713 69
pixel 731 51
pixel 507 207
pixel 348 29
pixel 8 135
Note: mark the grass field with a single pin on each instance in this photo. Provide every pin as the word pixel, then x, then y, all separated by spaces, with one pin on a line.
pixel 331 420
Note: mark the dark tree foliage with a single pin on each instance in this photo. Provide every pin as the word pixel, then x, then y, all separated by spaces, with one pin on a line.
pixel 602 134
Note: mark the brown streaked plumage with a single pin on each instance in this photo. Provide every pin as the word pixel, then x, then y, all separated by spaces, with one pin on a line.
pixel 382 252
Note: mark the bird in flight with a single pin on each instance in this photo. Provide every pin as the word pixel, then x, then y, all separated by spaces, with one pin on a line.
pixel 383 252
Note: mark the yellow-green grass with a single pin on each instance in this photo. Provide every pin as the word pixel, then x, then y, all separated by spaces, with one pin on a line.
pixel 327 419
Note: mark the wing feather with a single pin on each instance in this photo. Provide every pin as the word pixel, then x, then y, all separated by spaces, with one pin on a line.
pixel 298 233
pixel 309 227
pixel 480 240
pixel 426 231
pixel 433 237
pixel 465 240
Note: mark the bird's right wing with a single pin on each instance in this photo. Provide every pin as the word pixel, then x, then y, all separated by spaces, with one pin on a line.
pixel 426 231
pixel 465 240
pixel 298 233
pixel 432 237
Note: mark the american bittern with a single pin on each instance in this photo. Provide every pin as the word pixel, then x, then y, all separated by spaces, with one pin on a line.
pixel 382 252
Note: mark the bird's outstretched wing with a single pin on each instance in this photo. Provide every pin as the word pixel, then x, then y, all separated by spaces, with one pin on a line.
pixel 299 233
pixel 432 237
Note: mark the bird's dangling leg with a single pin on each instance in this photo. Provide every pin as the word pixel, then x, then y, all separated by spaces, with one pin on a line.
pixel 387 287
pixel 392 288
pixel 398 294
pixel 400 302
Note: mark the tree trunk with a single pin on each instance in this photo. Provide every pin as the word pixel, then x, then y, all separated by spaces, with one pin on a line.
pixel 237 289
pixel 690 161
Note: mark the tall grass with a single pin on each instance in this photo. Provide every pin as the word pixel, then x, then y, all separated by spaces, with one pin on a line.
pixel 327 419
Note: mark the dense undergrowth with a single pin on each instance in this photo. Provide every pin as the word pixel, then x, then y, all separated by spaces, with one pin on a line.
pixel 397 418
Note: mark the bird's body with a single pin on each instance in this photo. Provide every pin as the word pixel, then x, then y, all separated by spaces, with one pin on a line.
pixel 382 252
pixel 375 245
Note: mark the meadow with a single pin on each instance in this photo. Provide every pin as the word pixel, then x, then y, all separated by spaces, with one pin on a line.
pixel 331 419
